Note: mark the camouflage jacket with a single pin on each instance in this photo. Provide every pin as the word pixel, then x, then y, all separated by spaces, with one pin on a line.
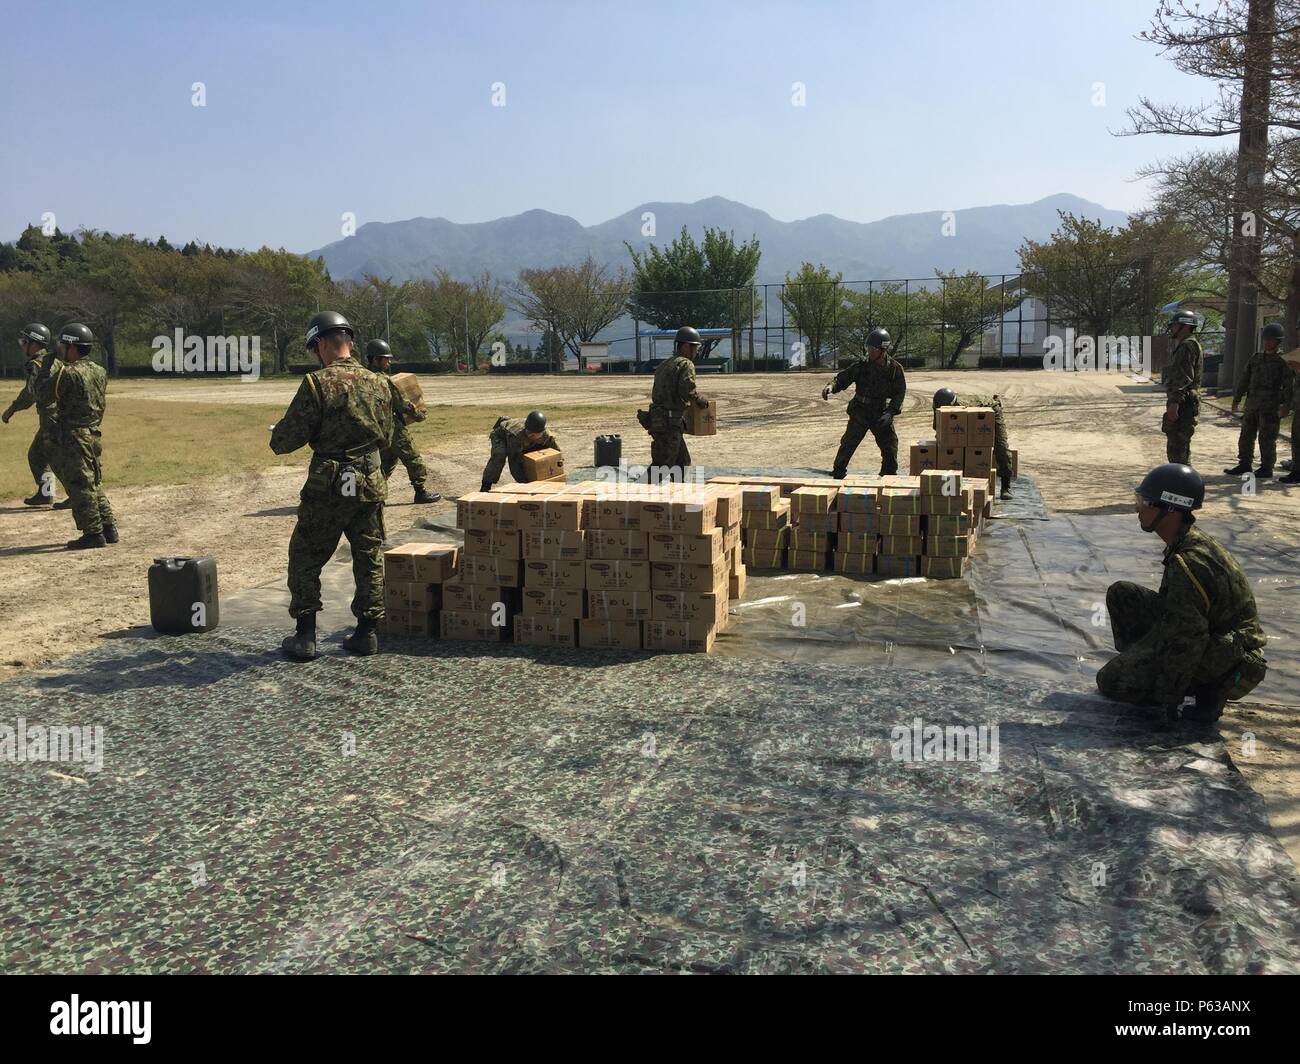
pixel 46 413
pixel 674 387
pixel 78 391
pixel 1183 373
pixel 1207 618
pixel 880 385
pixel 509 444
pixel 1265 382
pixel 345 413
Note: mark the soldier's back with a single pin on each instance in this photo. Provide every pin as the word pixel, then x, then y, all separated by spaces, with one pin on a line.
pixel 356 409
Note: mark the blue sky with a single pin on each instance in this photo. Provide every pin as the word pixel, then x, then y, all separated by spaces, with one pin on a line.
pixel 385 110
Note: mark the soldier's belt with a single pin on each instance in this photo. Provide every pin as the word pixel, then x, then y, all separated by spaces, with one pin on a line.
pixel 366 463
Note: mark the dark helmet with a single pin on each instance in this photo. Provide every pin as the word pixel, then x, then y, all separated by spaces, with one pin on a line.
pixel 1183 317
pixel 945 397
pixel 36 333
pixel 76 334
pixel 1173 487
pixel 378 349
pixel 535 422
pixel 326 321
pixel 1273 331
pixel 687 335
pixel 878 338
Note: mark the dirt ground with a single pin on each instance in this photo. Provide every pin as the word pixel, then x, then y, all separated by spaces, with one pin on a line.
pixel 1086 439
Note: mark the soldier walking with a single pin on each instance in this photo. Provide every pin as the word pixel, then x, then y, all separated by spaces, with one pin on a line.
pixel 1001 444
pixel 674 390
pixel 1266 384
pixel 1198 635
pixel 344 412
pixel 32 340
pixel 77 388
pixel 1292 407
pixel 1182 387
pixel 880 386
pixel 379 357
pixel 511 439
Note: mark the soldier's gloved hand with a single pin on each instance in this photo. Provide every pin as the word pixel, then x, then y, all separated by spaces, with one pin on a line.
pixel 419 415
pixel 6 416
pixel 826 392
pixel 885 420
pixel 701 402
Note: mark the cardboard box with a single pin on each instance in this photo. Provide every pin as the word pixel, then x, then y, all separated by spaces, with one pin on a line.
pixel 613 575
pixel 612 512
pixel 703 606
pixel 554 602
pixel 544 464
pixel 944 504
pixel 923 456
pixel 476 626
pixel 803 540
pixel 702 420
pixel 501 572
pixel 730 504
pixel 609 635
pixel 941 482
pixel 463 597
pixel 697 515
pixel 893 525
pixel 763 539
pixel 410 622
pixel 543 630
pixel 736 584
pixel 550 513
pixel 430 563
pixel 731 538
pixel 900 501
pixel 942 568
pixel 854 564
pixel 555 572
pixel 813 500
pixel 408 386
pixel 734 564
pixel 411 597
pixel 618 605
pixel 981 428
pixel 490 510
pixel 763 557
pixel 952 458
pixel 761 497
pixel 893 566
pixel 950 426
pixel 554 544
pixel 483 543
pixel 949 525
pixel 808 561
pixel 683 576
pixel 901 545
pixel 702 549
pixel 857 543
pixel 680 636
pixel 617 545
pixel 855 500
pixel 979 462
pixel 537 487
pixel 824 523
pixel 947 546
pixel 767 519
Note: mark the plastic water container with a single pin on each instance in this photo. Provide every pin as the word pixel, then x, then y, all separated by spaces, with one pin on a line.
pixel 183 595
pixel 609 451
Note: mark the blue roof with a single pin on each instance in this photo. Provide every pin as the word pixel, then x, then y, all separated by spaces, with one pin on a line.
pixel 673 332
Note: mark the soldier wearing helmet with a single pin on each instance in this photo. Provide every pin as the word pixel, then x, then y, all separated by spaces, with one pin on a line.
pixel 379 357
pixel 673 391
pixel 344 412
pixel 879 388
pixel 32 340
pixel 510 440
pixel 1266 384
pixel 1182 380
pixel 1199 635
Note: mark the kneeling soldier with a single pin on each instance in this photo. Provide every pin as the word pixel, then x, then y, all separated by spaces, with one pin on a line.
pixel 511 439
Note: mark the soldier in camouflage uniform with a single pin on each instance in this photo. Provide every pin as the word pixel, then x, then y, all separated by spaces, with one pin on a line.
pixel 32 340
pixel 1199 634
pixel 1001 444
pixel 345 413
pixel 877 400
pixel 511 439
pixel 77 388
pixel 1266 384
pixel 673 391
pixel 379 357
pixel 1292 405
pixel 1182 379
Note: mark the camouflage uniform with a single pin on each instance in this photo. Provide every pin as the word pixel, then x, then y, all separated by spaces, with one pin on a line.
pixel 880 387
pixel 44 440
pixel 1266 384
pixel 1294 404
pixel 673 392
pixel 1200 630
pixel 1183 386
pixel 403 447
pixel 1001 445
pixel 78 391
pixel 345 413
pixel 510 443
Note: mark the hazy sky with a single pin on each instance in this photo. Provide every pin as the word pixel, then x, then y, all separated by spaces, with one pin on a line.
pixel 386 110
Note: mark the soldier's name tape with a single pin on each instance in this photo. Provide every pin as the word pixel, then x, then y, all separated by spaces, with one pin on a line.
pixel 1177 500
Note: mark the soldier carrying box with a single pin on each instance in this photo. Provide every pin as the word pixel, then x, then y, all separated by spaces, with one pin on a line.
pixel 511 440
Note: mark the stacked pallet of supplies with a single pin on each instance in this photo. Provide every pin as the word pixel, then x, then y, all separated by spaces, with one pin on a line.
pixel 481 601
pixel 414 577
pixel 964 441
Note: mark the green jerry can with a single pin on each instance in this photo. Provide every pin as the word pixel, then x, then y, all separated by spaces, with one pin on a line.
pixel 183 595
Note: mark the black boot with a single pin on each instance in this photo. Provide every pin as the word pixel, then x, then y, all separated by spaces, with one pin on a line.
pixel 39 499
pixel 1208 708
pixel 1006 487
pixel 364 640
pixel 1291 478
pixel 423 496
pixel 1238 469
pixel 110 533
pixel 1264 473
pixel 301 646
pixel 87 540
pixel 66 504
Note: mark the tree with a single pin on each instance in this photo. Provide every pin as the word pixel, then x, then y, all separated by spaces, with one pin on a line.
pixel 573 302
pixel 909 313
pixel 458 316
pixel 967 310
pixel 277 292
pixel 106 288
pixel 709 285
pixel 812 300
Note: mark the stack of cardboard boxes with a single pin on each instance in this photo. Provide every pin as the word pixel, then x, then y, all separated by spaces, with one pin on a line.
pixel 964 438
pixel 414 577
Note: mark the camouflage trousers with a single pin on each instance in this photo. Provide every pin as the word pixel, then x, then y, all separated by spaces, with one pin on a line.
pixel 321 521
pixel 668 446
pixel 75 459
pixel 858 427
pixel 1262 423
pixel 38 460
pixel 1178 446
pixel 404 451
pixel 1001 445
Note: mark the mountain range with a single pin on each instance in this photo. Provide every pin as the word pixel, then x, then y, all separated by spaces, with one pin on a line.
pixel 901 246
